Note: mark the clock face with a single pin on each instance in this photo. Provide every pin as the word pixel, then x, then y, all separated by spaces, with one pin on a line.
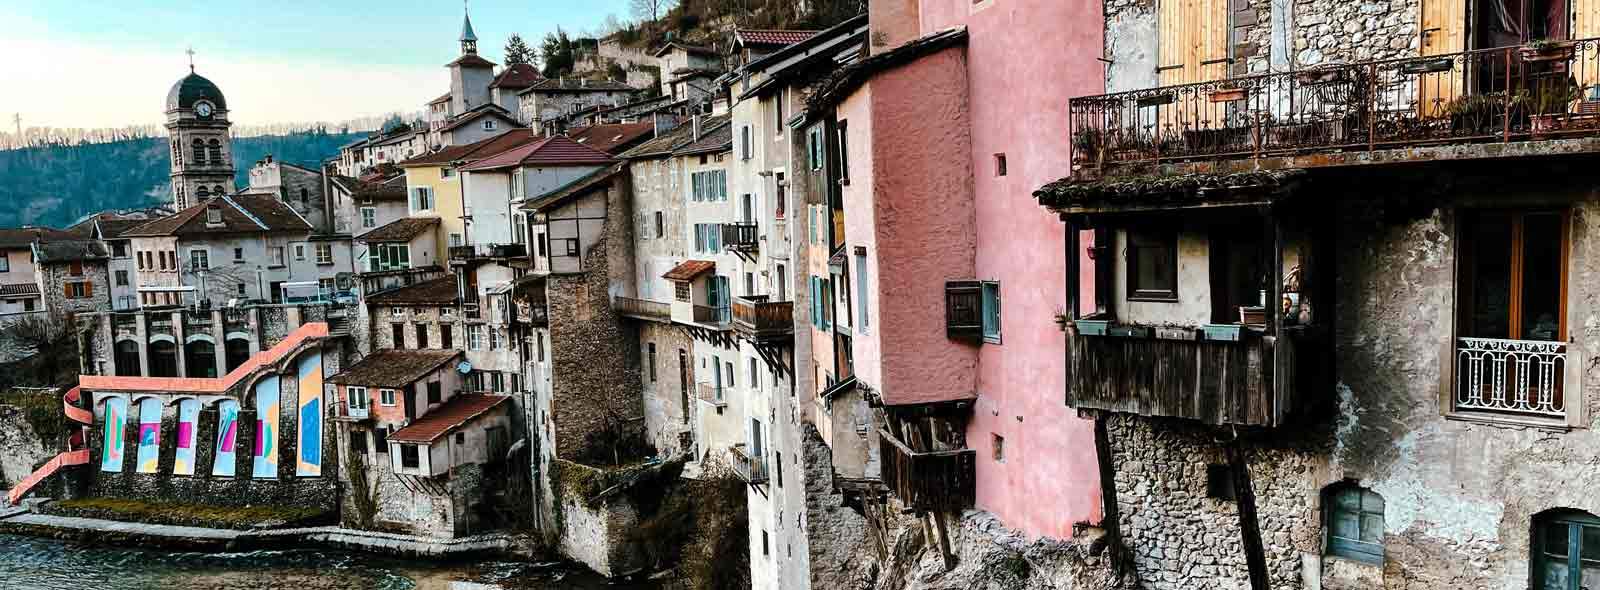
pixel 203 109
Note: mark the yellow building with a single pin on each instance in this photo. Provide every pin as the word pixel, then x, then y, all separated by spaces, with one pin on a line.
pixel 433 184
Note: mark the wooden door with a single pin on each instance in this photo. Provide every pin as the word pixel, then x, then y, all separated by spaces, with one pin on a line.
pixel 1444 31
pixel 1192 47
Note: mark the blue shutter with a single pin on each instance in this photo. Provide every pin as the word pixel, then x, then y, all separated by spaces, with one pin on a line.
pixel 991 310
pixel 816 303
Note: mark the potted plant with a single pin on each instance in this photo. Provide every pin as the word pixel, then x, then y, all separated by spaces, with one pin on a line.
pixel 1551 104
pixel 1086 143
pixel 1547 50
pixel 1227 94
pixel 1221 332
pixel 1092 327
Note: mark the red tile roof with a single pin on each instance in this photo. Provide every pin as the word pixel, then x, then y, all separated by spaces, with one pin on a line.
pixel 19 289
pixel 479 113
pixel 551 151
pixel 440 291
pixel 476 150
pixel 240 214
pixel 395 368
pixel 23 237
pixel 277 353
pixel 613 138
pixel 517 76
pixel 470 60
pixel 445 98
pixel 771 36
pixel 455 413
pixel 689 269
pixel 399 230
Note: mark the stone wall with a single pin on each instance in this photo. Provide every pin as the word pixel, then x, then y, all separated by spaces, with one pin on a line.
pixel 54 278
pixel 21 446
pixel 1341 31
pixel 669 422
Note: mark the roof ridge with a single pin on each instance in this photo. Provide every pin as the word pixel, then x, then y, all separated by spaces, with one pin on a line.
pixel 241 209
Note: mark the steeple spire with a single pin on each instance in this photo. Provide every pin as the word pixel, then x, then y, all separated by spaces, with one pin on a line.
pixel 190 51
pixel 469 40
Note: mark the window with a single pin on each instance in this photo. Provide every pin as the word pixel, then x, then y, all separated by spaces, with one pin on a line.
pixel 240 287
pixel 398 312
pixel 844 153
pixel 300 252
pixel 369 217
pixel 199 259
pixel 410 457
pixel 199 154
pixel 202 192
pixel 215 150
pixel 661 228
pixel 356 397
pixel 422 335
pixel 277 255
pixel 475 337
pixel 358 441
pixel 446 338
pixel 1566 550
pixel 380 439
pixel 572 246
pixel 421 199
pixel 861 293
pixel 5 263
pixel 399 335
pixel 122 278
pixel 781 201
pixel 1219 483
pixel 386 397
pixel 755 374
pixel 494 338
pixel 118 250
pixel 744 143
pixel 999 164
pixel 991 312
pixel 680 291
pixel 997 445
pixel 435 392
pixel 447 172
pixel 1152 265
pixel 79 290
pixel 727 369
pixel 324 253
pixel 497 381
pixel 1355 523
pixel 650 361
pixel 488 124
pixel 238 254
pixel 777 114
pixel 456 240
pixel 814 154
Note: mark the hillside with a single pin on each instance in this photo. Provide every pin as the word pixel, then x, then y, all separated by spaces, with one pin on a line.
pixel 57 185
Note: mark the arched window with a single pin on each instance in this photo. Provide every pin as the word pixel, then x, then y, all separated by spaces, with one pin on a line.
pixel 1353 516
pixel 163 359
pixel 127 358
pixel 238 351
pixel 1566 550
pixel 216 153
pixel 199 152
pixel 217 190
pixel 200 359
pixel 202 192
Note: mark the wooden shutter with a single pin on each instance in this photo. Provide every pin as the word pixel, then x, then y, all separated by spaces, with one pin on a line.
pixel 1444 31
pixel 1192 41
pixel 88 289
pixel 963 307
pixel 66 289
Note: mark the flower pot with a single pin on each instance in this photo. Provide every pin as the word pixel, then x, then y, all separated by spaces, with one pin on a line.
pixel 1092 327
pixel 1227 95
pixel 1128 332
pixel 1548 52
pixel 1543 125
pixel 1222 332
pixel 1253 316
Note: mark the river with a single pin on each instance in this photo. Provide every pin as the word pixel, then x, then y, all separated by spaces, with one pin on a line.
pixel 28 563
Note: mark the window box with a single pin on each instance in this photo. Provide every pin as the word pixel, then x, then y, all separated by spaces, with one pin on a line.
pixel 1128 332
pixel 1222 332
pixel 1093 327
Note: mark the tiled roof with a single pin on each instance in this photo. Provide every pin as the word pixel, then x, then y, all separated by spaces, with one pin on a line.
pixel 400 230
pixel 476 150
pixel 612 138
pixel 689 269
pixel 582 186
pixel 114 228
pixel 19 289
pixel 470 60
pixel 240 214
pixel 666 143
pixel 392 189
pixel 59 251
pixel 517 76
pixel 22 237
pixel 551 151
pixel 289 344
pixel 395 368
pixel 771 36
pixel 441 291
pixel 688 48
pixel 577 85
pixel 714 140
pixel 455 413
pixel 847 79
pixel 445 98
pixel 479 113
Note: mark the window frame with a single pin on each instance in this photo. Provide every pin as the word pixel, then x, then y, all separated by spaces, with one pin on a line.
pixel 357 392
pixel 1574 522
pixel 1169 238
pixel 386 397
pixel 990 311
pixel 1353 549
pixel 369 217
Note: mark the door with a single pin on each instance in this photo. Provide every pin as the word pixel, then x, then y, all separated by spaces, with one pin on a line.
pixel 1192 46
pixel 716 376
pixel 757 447
pixel 411 402
pixel 683 383
pixel 1444 31
pixel 782 284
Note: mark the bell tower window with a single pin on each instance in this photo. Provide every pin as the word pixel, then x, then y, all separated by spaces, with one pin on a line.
pixel 216 153
pixel 199 152
pixel 202 192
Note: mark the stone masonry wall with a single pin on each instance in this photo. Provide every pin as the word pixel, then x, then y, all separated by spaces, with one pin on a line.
pixel 1344 31
pixel 666 423
pixel 21 447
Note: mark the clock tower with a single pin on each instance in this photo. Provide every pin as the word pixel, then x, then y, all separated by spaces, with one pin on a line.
pixel 202 154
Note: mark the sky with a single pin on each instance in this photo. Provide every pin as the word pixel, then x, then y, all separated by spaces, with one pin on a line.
pixel 109 63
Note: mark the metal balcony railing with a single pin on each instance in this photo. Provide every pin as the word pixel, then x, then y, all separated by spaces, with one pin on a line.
pixel 1511 376
pixel 1540 91
pixel 464 253
pixel 751 469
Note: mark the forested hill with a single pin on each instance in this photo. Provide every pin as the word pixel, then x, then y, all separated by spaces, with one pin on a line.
pixel 57 185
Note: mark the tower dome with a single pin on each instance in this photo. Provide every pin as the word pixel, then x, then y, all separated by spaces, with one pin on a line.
pixel 191 89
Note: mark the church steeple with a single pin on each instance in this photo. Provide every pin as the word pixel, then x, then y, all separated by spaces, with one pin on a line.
pixel 469 40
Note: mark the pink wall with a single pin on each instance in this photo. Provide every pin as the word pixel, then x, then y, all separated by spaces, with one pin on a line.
pixel 856 113
pixel 923 224
pixel 1027 58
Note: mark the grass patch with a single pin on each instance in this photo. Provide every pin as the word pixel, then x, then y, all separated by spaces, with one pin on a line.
pixel 232 517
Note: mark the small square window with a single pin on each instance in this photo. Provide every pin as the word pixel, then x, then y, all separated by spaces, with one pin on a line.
pixel 1219 483
pixel 999 447
pixel 1153 265
pixel 999 164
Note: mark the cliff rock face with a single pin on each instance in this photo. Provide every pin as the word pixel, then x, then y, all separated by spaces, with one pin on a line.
pixel 20 446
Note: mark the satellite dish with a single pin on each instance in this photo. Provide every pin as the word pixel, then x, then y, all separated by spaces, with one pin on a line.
pixel 464 368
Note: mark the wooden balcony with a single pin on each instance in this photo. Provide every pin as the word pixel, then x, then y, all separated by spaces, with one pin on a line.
pixel 464 254
pixel 931 480
pixel 761 320
pixel 751 469
pixel 643 309
pixel 1257 380
pixel 1409 109
pixel 712 316
pixel 741 236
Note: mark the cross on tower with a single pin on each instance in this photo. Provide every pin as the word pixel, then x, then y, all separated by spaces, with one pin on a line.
pixel 190 51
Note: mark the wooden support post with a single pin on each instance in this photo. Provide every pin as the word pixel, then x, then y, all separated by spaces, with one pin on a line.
pixel 1108 492
pixel 1249 527
pixel 944 539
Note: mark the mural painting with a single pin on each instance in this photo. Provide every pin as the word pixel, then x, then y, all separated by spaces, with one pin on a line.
pixel 266 451
pixel 188 418
pixel 116 419
pixel 227 436
pixel 149 434
pixel 310 447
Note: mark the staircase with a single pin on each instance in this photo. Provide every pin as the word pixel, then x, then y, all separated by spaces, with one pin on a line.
pixel 76 453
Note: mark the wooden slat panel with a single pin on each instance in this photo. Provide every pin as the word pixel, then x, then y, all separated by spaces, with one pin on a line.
pixel 1444 30
pixel 1213 382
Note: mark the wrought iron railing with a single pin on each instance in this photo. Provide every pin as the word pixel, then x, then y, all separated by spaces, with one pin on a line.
pixel 758 317
pixel 458 253
pixel 1505 94
pixel 750 468
pixel 1516 376
pixel 712 393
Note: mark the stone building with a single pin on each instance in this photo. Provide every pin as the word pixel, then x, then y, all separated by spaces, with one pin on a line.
pixel 108 228
pixel 239 247
pixel 551 98
pixel 74 276
pixel 19 280
pixel 202 151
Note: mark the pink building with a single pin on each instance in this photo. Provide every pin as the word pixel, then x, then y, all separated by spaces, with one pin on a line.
pixel 935 144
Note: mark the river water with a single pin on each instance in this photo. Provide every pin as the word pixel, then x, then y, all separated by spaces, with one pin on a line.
pixel 28 563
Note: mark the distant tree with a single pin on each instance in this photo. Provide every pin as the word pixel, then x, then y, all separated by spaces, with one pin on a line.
pixel 518 51
pixel 610 26
pixel 557 53
pixel 649 10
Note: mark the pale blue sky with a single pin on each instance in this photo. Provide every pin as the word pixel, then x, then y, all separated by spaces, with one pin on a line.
pixel 104 63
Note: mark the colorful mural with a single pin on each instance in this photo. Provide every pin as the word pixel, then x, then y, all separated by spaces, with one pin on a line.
pixel 266 451
pixel 116 420
pixel 310 392
pixel 227 436
pixel 188 418
pixel 149 434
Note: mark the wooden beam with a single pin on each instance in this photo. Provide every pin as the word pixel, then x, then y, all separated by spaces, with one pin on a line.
pixel 1249 526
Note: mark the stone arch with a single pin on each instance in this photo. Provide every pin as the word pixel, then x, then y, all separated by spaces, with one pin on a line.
pixel 163 352
pixel 195 337
pixel 125 355
pixel 200 357
pixel 225 445
pixel 149 435
pixel 202 192
pixel 217 190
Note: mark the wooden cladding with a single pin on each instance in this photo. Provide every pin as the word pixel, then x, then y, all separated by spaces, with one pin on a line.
pixel 963 309
pixel 932 480
pixel 1194 41
pixel 1247 382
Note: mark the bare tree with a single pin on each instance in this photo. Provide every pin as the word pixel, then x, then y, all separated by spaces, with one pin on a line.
pixel 649 10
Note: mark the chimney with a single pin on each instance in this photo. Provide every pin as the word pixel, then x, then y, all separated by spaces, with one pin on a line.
pixel 664 122
pixel 891 23
pixel 696 124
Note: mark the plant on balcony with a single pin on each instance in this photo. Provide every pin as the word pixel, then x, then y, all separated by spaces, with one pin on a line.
pixel 1547 50
pixel 1086 143
pixel 1552 103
